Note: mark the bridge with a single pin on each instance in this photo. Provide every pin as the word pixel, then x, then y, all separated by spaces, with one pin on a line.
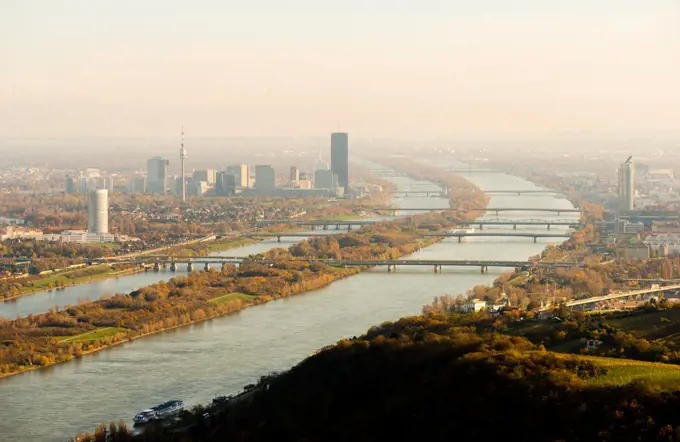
pixel 162 261
pixel 480 223
pixel 535 236
pixel 525 222
pixel 321 223
pixel 497 210
pixel 471 170
pixel 621 295
pixel 460 236
pixel 524 192
pixel 406 193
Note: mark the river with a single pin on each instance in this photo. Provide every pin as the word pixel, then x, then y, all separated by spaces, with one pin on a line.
pixel 220 356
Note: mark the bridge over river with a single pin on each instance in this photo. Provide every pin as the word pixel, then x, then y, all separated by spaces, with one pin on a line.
pixel 480 223
pixel 460 236
pixel 496 210
pixel 158 262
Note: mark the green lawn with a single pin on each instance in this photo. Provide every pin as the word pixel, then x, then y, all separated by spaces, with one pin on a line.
pixel 106 245
pixel 231 296
pixel 92 335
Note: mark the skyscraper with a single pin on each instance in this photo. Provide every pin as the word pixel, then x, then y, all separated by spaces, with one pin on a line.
pixel 98 211
pixel 627 185
pixel 70 185
pixel 156 175
pixel 340 158
pixel 265 178
pixel 294 174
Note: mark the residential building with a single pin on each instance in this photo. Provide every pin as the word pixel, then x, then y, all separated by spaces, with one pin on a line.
pixel 340 158
pixel 473 305
pixel 98 212
pixel 265 178
pixel 14 232
pixel 664 244
pixel 157 175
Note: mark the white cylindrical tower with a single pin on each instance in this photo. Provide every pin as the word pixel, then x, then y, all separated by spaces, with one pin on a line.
pixel 98 212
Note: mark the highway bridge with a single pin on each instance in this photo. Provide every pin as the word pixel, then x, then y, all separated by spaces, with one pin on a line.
pixel 619 295
pixel 480 223
pixel 158 262
pixel 496 210
pixel 407 193
pixel 535 236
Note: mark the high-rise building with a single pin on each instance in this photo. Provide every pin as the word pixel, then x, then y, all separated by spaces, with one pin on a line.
pixel 71 185
pixel 242 172
pixel 157 175
pixel 325 179
pixel 207 175
pixel 98 211
pixel 265 178
pixel 627 185
pixel 225 183
pixel 294 174
pixel 340 158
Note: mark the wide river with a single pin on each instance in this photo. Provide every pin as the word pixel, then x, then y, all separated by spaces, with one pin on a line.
pixel 219 357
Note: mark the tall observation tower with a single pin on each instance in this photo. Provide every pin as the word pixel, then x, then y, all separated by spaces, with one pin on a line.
pixel 182 157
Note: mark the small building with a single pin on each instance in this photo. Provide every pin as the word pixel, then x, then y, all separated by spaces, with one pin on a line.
pixel 473 305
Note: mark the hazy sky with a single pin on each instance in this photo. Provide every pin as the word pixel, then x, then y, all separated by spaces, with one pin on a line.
pixel 308 67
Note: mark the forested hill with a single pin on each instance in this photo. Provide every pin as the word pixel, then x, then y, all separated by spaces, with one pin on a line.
pixel 433 378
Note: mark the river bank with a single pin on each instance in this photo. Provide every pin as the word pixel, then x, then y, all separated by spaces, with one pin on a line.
pixel 187 300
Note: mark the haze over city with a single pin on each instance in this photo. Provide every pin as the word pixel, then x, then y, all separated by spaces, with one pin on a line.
pixel 311 220
pixel 302 68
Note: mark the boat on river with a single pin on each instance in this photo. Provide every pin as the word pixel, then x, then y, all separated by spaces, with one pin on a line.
pixel 465 229
pixel 161 411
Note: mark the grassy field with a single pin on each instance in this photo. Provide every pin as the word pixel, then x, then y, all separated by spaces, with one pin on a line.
pixel 229 244
pixel 62 279
pixel 94 334
pixel 625 371
pixel 231 297
pixel 106 245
